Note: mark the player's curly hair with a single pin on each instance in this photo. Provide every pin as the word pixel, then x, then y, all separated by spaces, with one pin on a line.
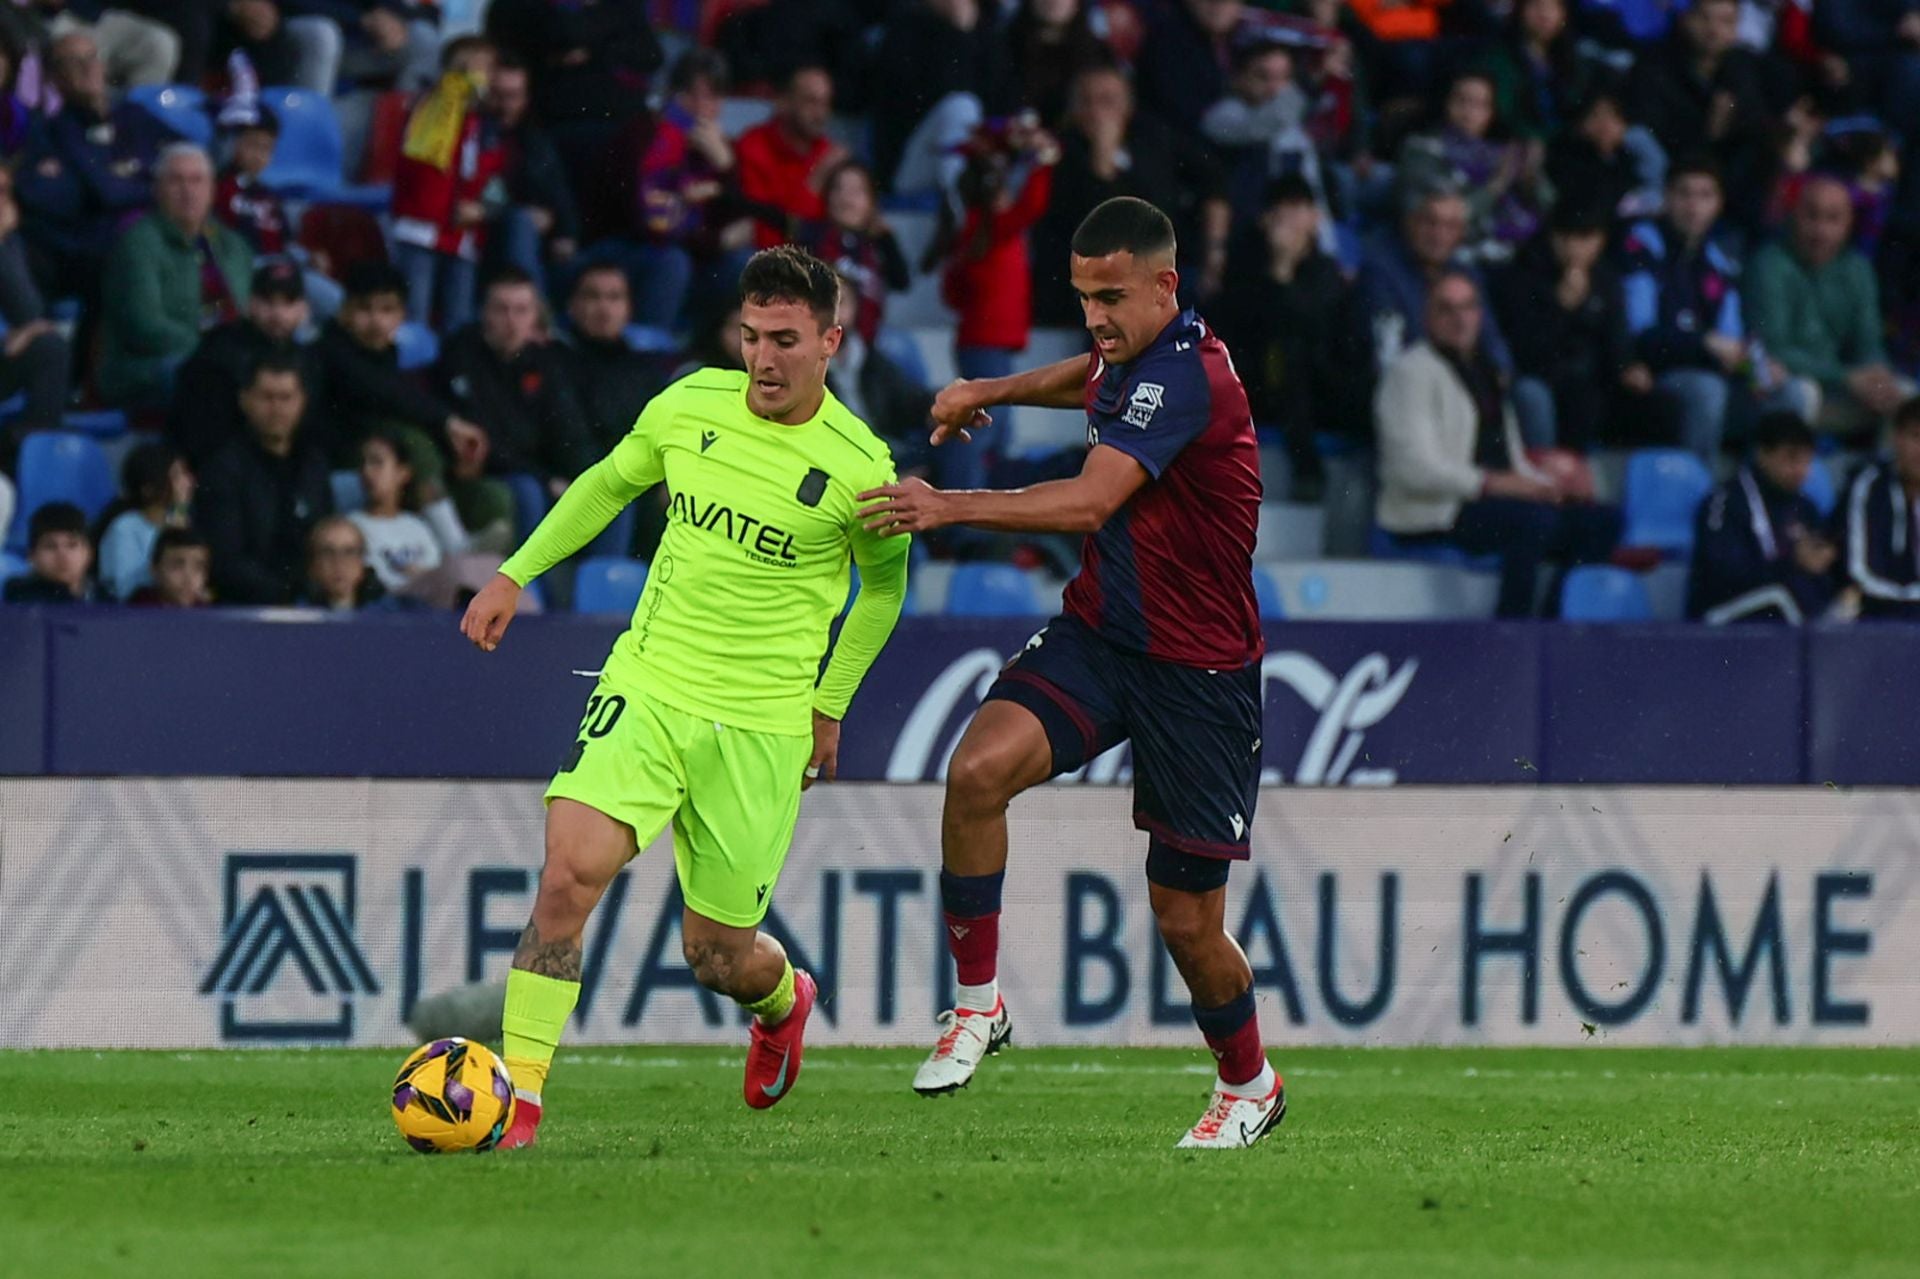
pixel 788 273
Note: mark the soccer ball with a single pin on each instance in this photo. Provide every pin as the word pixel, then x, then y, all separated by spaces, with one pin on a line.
pixel 452 1095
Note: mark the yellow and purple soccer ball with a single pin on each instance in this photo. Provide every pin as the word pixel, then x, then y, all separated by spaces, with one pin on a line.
pixel 452 1095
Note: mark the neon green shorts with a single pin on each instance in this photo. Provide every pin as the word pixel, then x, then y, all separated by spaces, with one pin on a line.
pixel 732 795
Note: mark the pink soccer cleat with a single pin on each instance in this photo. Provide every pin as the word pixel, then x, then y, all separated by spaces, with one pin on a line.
pixel 773 1061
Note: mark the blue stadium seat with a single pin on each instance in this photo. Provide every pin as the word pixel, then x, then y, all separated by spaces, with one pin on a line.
pixel 1664 489
pixel 418 345
pixel 609 586
pixel 1382 545
pixel 991 590
pixel 180 107
pixel 59 466
pixel 102 424
pixel 529 502
pixel 1819 488
pixel 1602 593
pixel 650 339
pixel 898 345
pixel 1272 607
pixel 11 566
pixel 349 494
pixel 310 160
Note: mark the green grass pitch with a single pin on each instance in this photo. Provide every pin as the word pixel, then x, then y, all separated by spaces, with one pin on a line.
pixel 1057 1162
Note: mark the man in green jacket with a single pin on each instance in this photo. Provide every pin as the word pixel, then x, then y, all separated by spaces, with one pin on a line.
pixel 1816 306
pixel 176 273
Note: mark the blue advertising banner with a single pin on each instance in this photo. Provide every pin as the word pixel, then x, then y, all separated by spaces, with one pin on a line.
pixel 296 694
pixel 1675 704
pixel 1367 705
pixel 23 693
pixel 1861 717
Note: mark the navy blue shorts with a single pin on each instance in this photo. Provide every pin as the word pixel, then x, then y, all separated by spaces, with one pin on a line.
pixel 1195 733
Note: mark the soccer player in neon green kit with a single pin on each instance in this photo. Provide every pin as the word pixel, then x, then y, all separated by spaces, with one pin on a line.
pixel 707 714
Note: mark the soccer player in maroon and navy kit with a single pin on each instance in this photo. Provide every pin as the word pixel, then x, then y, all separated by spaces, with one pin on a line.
pixel 1159 642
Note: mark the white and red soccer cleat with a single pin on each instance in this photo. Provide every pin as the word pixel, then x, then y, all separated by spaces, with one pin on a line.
pixel 967 1037
pixel 526 1123
pixel 773 1060
pixel 1233 1121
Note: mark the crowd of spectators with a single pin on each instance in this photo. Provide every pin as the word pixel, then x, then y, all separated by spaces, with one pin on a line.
pixel 1476 243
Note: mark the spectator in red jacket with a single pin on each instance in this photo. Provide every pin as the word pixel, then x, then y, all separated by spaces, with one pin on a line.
pixel 784 163
pixel 1004 188
pixel 451 155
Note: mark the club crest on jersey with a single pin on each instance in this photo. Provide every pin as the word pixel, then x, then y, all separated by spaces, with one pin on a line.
pixel 1142 403
pixel 812 488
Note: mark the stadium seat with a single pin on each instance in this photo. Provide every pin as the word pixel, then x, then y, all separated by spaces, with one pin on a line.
pixel 310 160
pixel 419 345
pixel 529 502
pixel 1602 593
pixel 991 590
pixel 102 424
pixel 1664 489
pixel 1290 531
pixel 180 107
pixel 898 345
pixel 59 466
pixel 1382 545
pixel 1272 607
pixel 609 585
pixel 348 492
pixel 650 339
pixel 1819 488
pixel 11 566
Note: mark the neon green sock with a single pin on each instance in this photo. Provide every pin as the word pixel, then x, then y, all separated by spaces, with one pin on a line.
pixel 777 1004
pixel 536 1014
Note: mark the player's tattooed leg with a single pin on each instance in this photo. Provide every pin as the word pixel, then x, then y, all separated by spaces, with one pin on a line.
pixel 558 957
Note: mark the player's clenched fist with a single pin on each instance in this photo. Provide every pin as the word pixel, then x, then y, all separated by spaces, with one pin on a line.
pixel 491 610
pixel 957 411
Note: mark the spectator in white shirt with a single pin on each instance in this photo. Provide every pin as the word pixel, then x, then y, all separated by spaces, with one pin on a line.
pixel 156 492
pixel 400 545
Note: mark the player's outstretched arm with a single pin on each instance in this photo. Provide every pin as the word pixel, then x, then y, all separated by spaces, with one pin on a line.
pixel 1079 505
pixel 583 511
pixel 961 407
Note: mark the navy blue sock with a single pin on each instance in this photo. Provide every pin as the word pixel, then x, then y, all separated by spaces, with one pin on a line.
pixel 970 896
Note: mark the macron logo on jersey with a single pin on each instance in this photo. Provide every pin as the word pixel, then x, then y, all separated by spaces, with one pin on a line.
pixel 1141 405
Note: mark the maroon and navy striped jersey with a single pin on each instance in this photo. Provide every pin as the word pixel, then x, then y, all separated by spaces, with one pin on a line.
pixel 1170 575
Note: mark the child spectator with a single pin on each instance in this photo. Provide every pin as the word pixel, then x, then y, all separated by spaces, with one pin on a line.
pixel 366 389
pixel 1470 152
pixel 1759 549
pixel 58 558
pixel 156 492
pixel 182 565
pixel 241 200
pixel 338 578
pixel 1004 189
pixel 856 241
pixel 400 545
pixel 449 159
